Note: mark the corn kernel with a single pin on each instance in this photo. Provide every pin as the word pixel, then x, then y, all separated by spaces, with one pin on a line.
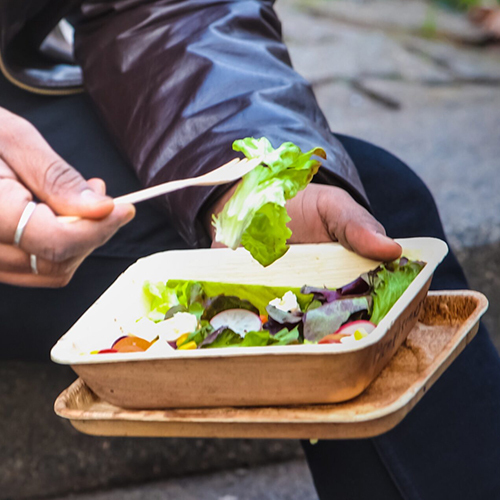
pixel 189 345
pixel 360 334
pixel 181 339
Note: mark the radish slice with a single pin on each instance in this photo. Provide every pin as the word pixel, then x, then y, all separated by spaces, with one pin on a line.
pixel 240 321
pixel 347 332
pixel 350 328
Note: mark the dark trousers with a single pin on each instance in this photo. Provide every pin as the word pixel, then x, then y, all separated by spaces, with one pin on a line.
pixel 448 447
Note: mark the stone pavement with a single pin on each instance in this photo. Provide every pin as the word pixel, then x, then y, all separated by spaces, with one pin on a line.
pixel 287 481
pixel 418 81
pixel 43 455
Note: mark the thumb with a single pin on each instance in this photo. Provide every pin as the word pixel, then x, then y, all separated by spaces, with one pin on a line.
pixel 356 229
pixel 97 185
pixel 368 239
pixel 68 193
pixel 48 176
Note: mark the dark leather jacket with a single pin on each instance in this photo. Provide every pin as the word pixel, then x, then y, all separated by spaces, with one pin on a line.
pixel 176 82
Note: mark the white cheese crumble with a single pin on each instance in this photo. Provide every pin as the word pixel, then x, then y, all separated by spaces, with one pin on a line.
pixel 160 347
pixel 167 330
pixel 347 340
pixel 173 328
pixel 287 303
pixel 144 328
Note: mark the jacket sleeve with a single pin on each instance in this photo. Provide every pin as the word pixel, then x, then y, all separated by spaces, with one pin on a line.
pixel 178 81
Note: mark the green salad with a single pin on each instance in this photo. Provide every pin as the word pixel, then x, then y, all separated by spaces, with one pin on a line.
pixel 255 216
pixel 204 315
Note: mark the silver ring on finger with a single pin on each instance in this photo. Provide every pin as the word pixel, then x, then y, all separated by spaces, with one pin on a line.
pixel 23 221
pixel 33 264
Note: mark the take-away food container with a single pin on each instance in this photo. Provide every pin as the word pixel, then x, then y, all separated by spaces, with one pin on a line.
pixel 240 376
pixel 448 321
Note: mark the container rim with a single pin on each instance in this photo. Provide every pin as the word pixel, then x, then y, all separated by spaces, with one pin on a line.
pixel 436 250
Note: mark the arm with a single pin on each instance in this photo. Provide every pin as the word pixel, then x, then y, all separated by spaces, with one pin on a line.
pixel 177 82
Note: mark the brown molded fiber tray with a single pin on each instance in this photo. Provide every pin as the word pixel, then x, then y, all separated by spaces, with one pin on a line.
pixel 447 323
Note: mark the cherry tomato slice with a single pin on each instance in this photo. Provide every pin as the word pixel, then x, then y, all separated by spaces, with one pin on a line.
pixel 131 344
pixel 332 338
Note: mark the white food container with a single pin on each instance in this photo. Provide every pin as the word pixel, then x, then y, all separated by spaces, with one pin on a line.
pixel 249 376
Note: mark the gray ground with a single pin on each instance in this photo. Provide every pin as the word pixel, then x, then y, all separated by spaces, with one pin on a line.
pixel 290 481
pixel 435 102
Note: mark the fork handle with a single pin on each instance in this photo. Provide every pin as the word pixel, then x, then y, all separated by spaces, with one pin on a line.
pixel 160 189
pixel 154 191
pixel 143 195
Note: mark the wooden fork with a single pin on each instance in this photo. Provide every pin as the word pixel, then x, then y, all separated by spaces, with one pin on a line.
pixel 228 172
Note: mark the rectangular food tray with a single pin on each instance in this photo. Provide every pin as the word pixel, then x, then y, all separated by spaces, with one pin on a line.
pixel 448 322
pixel 250 376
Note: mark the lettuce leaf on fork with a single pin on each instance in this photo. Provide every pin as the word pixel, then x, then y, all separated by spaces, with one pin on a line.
pixel 255 216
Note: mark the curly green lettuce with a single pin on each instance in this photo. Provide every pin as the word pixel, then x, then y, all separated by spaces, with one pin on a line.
pixel 389 282
pixel 255 216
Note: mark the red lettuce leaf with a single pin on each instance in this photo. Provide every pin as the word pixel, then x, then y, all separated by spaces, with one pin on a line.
pixel 331 316
pixel 359 288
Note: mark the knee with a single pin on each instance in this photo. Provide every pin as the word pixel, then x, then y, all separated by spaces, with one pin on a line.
pixel 385 177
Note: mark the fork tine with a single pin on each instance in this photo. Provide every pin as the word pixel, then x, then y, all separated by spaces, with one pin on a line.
pixel 232 172
pixel 246 166
pixel 227 167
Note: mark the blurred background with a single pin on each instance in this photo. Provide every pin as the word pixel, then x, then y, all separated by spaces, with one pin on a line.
pixel 421 79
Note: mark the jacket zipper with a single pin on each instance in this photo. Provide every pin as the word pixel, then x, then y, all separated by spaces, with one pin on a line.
pixel 36 90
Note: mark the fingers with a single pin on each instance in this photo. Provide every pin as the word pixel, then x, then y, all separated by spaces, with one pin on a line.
pixel 35 281
pixel 15 269
pixel 6 172
pixel 16 261
pixel 59 248
pixel 97 185
pixel 28 166
pixel 43 227
pixel 13 200
pixel 57 241
pixel 354 227
pixel 45 173
pixel 370 241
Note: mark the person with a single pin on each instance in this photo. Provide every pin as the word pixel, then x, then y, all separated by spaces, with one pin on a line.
pixel 168 87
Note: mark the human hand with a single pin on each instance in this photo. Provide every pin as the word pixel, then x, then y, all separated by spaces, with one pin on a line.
pixel 322 213
pixel 30 168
